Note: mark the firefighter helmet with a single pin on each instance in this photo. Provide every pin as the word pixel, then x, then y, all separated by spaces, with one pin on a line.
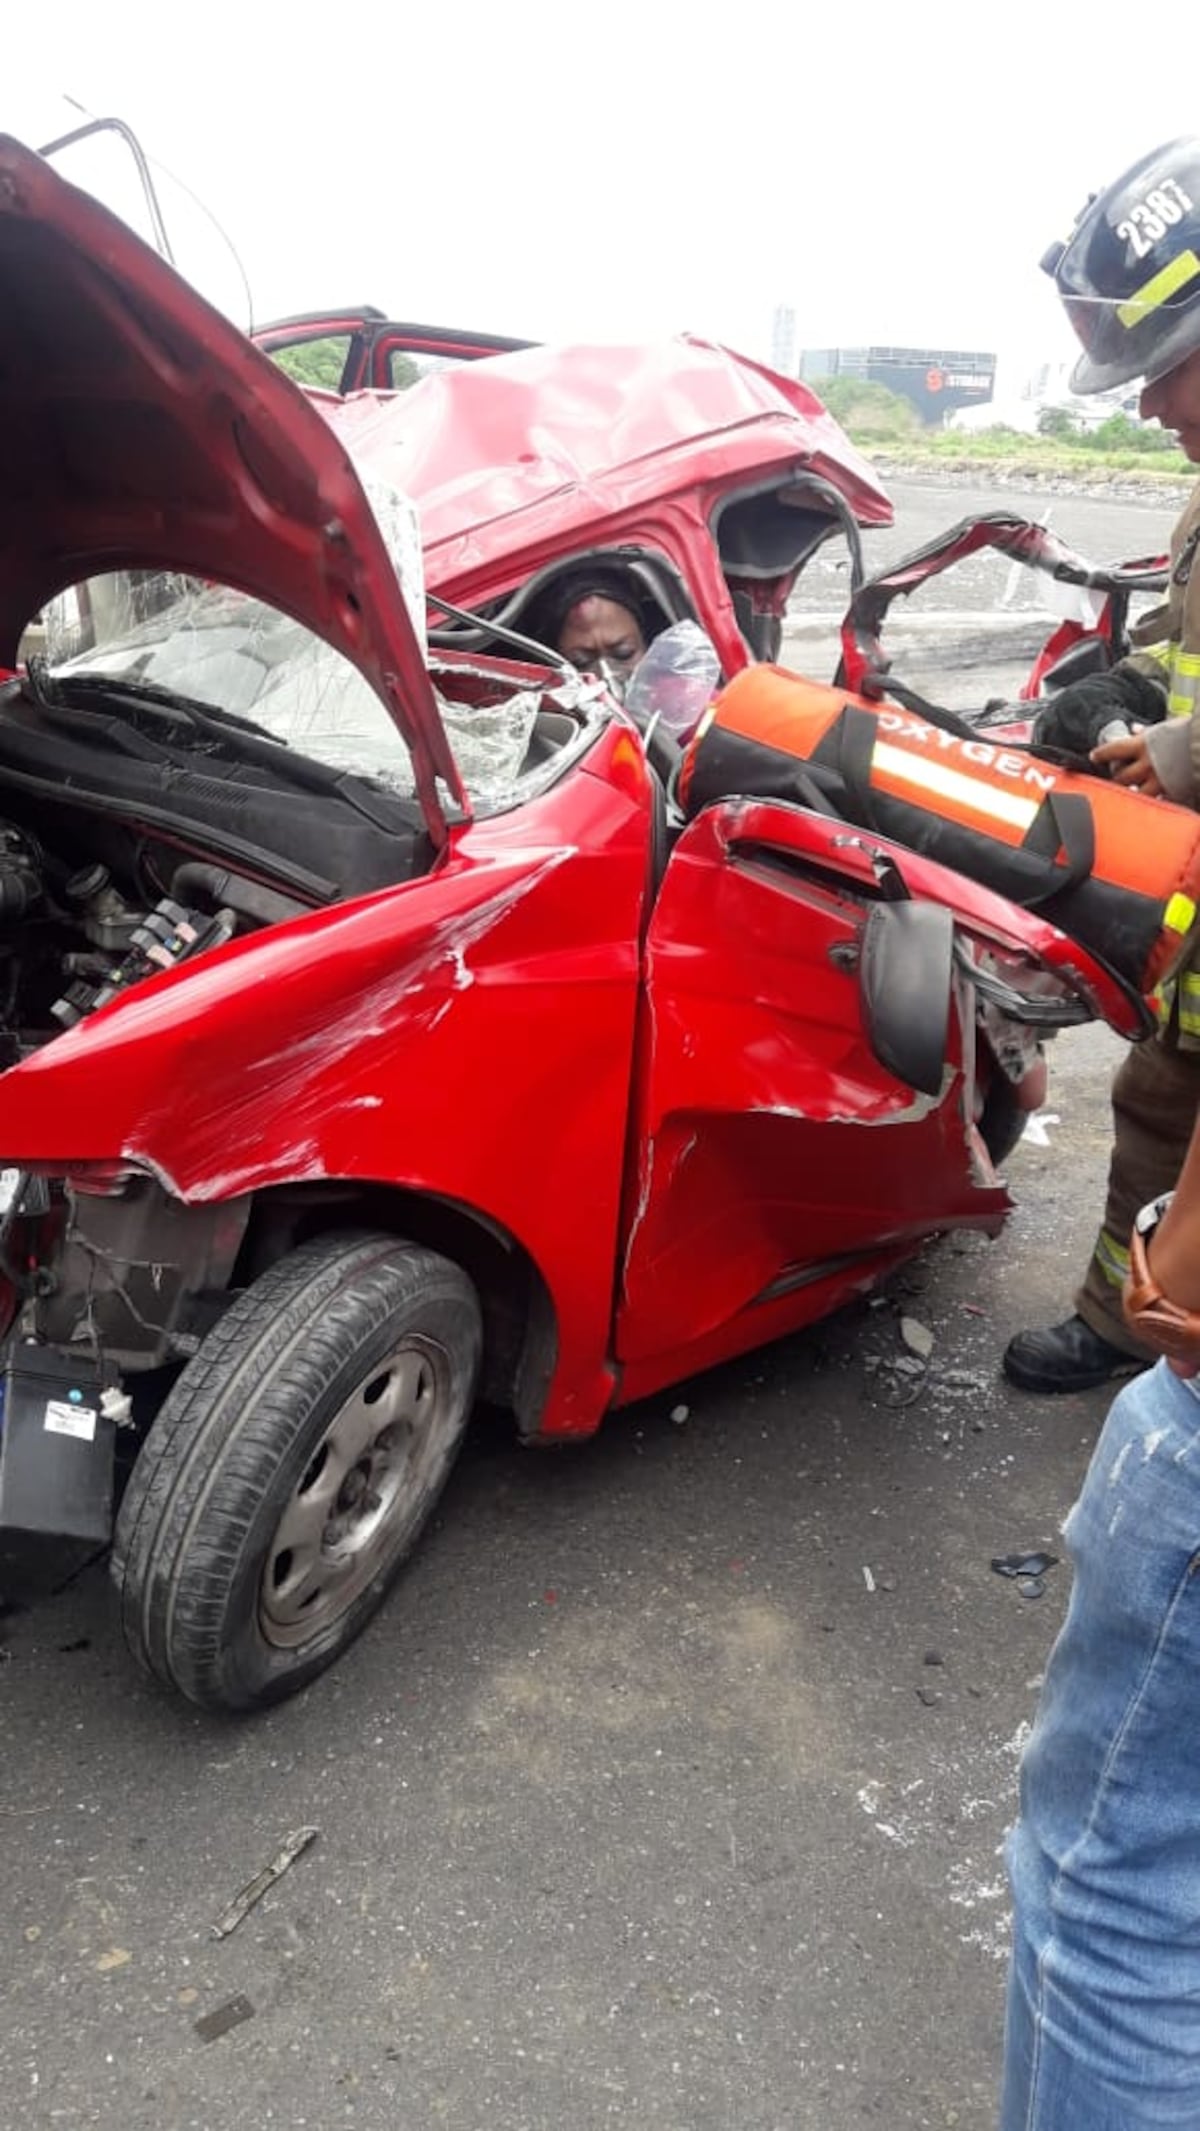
pixel 1129 274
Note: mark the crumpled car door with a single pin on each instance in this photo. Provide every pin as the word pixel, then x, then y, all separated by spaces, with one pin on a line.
pixel 773 1149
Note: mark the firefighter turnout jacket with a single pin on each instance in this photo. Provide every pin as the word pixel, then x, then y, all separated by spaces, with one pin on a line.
pixel 1168 651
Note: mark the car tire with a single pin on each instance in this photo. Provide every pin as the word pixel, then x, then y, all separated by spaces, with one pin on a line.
pixel 289 1473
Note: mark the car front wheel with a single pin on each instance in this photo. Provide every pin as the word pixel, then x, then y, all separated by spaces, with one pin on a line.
pixel 291 1470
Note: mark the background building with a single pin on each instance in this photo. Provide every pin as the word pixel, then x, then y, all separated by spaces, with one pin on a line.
pixel 938 381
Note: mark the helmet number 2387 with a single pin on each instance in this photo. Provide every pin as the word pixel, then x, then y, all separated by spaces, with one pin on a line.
pixel 1152 217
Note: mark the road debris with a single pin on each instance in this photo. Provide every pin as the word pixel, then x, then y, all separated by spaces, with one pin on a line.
pixel 293 1847
pixel 868 1579
pixel 223 2017
pixel 902 1390
pixel 1027 1571
pixel 679 1415
pixel 917 1337
pixel 1035 1133
pixel 1023 1565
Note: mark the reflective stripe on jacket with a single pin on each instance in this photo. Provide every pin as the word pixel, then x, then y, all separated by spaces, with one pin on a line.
pixel 1177 1001
pixel 1180 672
pixel 1112 1258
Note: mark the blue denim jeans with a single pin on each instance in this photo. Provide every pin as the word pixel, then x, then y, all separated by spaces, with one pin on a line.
pixel 1103 2030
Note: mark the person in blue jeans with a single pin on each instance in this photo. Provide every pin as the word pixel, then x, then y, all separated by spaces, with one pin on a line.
pixel 1103 2023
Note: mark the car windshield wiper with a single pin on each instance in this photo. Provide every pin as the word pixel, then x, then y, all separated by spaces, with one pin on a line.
pixel 50 685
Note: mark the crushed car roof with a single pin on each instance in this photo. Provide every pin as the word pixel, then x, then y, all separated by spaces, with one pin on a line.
pixel 550 445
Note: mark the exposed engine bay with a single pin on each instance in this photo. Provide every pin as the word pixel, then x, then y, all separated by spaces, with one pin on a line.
pixel 140 828
pixel 135 833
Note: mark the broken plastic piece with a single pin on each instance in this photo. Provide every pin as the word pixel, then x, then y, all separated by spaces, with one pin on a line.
pixel 293 1847
pixel 1035 1127
pixel 117 1407
pixel 917 1337
pixel 902 1390
pixel 223 2017
pixel 1024 1565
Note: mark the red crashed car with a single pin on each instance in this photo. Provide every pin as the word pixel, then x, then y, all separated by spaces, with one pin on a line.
pixel 373 1035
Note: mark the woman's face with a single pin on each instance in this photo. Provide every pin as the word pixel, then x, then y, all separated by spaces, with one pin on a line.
pixel 598 634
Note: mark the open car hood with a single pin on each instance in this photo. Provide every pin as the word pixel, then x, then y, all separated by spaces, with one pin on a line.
pixel 141 430
pixel 554 449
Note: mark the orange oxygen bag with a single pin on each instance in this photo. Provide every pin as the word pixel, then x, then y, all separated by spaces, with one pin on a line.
pixel 1111 868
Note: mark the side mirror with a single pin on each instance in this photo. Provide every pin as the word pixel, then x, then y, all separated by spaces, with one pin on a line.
pixel 905 984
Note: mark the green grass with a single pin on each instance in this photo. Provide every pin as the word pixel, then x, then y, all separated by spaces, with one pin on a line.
pixel 1007 449
pixel 887 428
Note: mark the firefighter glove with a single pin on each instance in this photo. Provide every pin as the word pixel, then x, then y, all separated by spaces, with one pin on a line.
pixel 1077 717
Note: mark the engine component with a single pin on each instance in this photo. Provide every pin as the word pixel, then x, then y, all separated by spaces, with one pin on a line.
pixel 169 935
pixel 233 890
pixel 56 1448
pixel 108 919
pixel 20 873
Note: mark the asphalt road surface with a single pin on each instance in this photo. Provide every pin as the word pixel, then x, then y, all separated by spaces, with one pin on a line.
pixel 667 1791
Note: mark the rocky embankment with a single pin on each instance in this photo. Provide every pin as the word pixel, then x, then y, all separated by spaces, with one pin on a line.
pixel 1159 489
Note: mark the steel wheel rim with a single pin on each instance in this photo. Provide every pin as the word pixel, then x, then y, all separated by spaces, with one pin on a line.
pixel 361 1493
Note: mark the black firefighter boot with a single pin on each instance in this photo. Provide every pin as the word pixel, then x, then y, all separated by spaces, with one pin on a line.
pixel 1067 1357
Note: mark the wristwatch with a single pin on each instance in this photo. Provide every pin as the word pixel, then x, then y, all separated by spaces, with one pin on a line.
pixel 1161 1323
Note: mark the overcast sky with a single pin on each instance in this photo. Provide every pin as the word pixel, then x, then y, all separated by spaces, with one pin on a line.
pixel 893 172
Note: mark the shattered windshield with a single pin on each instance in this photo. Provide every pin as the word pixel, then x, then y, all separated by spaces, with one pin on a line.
pixel 211 646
